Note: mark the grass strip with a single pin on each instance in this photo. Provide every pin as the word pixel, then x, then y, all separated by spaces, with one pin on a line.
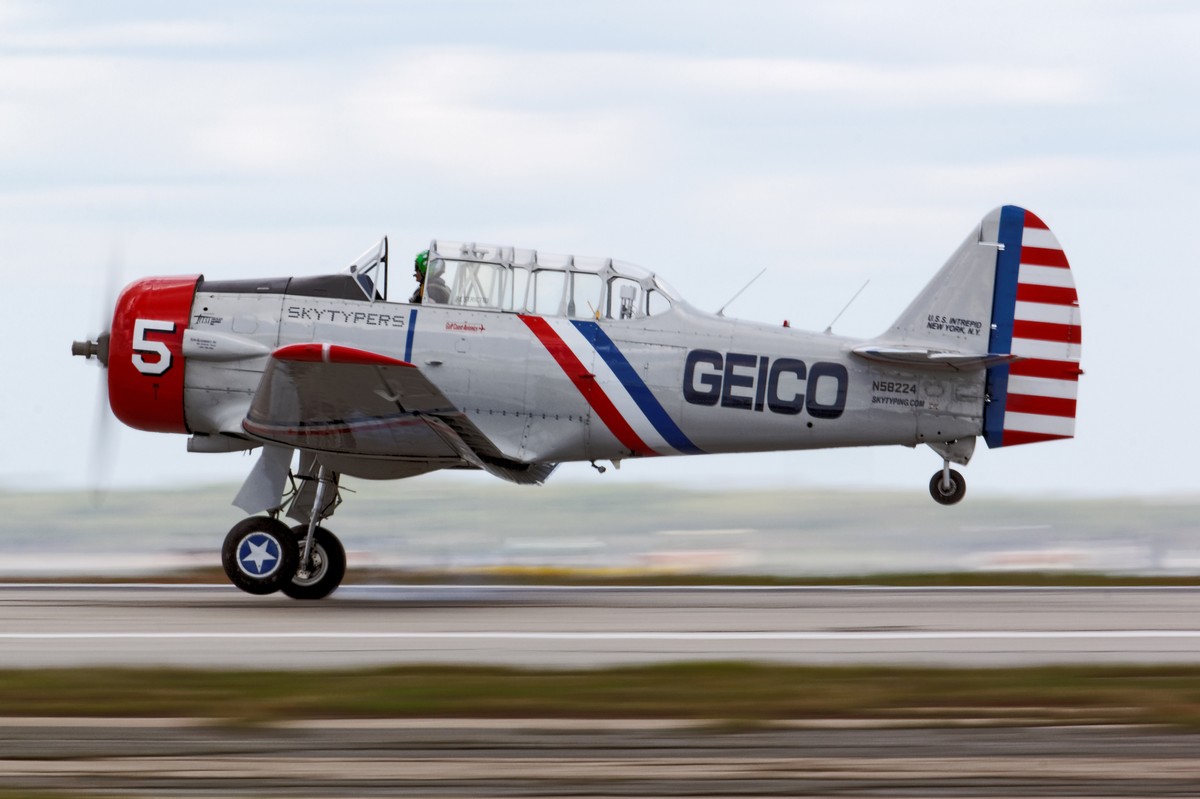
pixel 1168 695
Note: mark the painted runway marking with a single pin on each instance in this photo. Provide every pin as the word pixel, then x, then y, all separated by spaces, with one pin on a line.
pixel 335 635
pixel 362 588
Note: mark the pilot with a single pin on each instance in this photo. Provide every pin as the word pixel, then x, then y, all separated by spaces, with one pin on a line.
pixel 429 285
pixel 419 267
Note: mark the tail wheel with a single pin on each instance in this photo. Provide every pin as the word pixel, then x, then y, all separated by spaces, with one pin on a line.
pixel 947 487
pixel 259 555
pixel 327 567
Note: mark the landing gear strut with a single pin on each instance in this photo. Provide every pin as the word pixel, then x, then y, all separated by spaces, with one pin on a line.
pixel 326 565
pixel 947 486
pixel 262 555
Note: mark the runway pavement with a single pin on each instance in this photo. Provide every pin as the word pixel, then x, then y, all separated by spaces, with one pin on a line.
pixel 539 759
pixel 217 626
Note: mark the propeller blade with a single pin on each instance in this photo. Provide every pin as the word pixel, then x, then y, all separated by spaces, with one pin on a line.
pixel 98 347
pixel 102 453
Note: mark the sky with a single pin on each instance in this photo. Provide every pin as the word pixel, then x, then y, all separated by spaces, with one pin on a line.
pixel 831 143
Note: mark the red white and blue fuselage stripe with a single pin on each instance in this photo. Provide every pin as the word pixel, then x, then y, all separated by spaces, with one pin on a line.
pixel 632 382
pixel 628 408
pixel 1035 314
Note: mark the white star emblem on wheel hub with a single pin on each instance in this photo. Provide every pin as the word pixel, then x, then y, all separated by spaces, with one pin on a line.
pixel 257 550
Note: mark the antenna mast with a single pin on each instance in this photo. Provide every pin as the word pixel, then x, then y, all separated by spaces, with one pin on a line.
pixel 852 299
pixel 735 296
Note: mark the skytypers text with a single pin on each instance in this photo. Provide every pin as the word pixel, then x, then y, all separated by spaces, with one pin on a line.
pixel 337 317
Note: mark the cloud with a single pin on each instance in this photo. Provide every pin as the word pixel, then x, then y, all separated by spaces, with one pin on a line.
pixel 25 78
pixel 962 83
pixel 33 30
pixel 460 115
pixel 900 204
pixel 450 116
pixel 463 113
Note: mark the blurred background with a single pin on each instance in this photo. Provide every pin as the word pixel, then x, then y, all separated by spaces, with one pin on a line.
pixel 829 143
pixel 428 527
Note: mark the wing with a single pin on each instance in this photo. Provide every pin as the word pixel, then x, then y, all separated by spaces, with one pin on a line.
pixel 350 402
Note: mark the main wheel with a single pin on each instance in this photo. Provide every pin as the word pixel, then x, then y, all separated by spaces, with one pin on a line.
pixel 259 555
pixel 327 569
pixel 947 494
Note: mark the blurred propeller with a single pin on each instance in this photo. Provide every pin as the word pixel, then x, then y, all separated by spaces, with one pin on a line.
pixel 102 449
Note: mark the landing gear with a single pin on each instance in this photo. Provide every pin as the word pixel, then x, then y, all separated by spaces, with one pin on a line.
pixel 947 486
pixel 326 567
pixel 262 555
pixel 259 555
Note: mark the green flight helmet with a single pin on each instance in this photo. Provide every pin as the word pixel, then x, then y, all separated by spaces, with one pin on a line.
pixel 422 262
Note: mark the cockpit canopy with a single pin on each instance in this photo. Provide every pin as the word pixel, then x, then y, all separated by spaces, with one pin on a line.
pixel 470 275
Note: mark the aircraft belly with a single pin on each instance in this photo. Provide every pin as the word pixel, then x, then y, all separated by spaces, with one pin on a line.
pixel 555 439
pixel 381 469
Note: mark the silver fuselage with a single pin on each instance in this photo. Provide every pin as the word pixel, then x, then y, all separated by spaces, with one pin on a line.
pixel 679 382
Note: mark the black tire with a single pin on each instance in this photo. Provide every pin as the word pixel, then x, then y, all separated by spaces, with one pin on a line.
pixel 329 565
pixel 259 555
pixel 947 495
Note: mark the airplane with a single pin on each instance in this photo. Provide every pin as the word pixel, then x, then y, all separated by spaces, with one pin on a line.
pixel 512 361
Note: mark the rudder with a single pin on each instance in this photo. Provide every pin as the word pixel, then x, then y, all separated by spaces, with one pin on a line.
pixel 1035 315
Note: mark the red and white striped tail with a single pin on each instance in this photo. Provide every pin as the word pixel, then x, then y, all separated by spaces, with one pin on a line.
pixel 1035 314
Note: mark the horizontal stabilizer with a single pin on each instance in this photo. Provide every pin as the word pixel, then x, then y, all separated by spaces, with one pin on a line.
pixel 925 358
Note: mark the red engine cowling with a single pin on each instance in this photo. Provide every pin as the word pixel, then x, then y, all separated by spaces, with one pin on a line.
pixel 145 353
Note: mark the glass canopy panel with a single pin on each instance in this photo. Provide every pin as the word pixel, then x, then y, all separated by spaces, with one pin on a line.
pixel 520 280
pixel 586 291
pixel 369 271
pixel 548 288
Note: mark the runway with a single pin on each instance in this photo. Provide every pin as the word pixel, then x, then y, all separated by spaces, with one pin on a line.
pixel 539 759
pixel 557 626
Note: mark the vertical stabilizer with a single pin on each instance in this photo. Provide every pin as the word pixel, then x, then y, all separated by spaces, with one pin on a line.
pixel 952 312
pixel 1006 291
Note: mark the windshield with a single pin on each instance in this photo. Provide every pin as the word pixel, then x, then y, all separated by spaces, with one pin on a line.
pixel 369 271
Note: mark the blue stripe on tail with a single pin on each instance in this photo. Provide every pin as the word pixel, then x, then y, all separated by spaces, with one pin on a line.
pixel 1004 305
